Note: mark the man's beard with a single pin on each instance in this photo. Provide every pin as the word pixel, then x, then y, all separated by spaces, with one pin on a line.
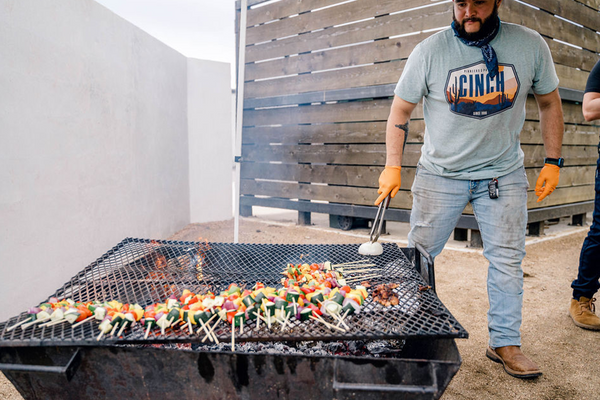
pixel 486 27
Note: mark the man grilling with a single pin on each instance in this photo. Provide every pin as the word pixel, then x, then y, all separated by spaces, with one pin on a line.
pixel 474 78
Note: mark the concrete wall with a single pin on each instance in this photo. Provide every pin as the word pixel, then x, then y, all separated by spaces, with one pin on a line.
pixel 93 141
pixel 210 140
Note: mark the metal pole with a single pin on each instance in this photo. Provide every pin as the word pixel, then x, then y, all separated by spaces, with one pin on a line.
pixel 239 116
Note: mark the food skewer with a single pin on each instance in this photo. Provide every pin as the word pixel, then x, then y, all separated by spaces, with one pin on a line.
pixel 147 331
pixel 52 323
pixel 306 290
pixel 37 321
pixel 211 331
pixel 327 323
pixel 354 271
pixel 285 320
pixel 362 277
pixel 19 324
pixel 203 326
pixel 350 262
pixel 81 322
pixel 340 320
pixel 233 334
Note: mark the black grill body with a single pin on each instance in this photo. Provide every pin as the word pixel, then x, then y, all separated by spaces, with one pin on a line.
pixel 422 371
pixel 61 362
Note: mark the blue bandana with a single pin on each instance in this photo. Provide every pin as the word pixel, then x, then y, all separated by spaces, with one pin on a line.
pixel 489 55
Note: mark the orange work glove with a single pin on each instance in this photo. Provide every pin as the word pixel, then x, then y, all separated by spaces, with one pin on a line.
pixel 389 181
pixel 547 181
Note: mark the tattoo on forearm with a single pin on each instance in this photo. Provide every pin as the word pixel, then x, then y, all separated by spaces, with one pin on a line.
pixel 403 127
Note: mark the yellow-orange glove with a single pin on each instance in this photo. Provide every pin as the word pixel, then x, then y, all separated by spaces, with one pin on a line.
pixel 389 182
pixel 547 181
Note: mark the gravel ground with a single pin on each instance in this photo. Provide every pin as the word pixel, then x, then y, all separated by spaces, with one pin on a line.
pixel 567 354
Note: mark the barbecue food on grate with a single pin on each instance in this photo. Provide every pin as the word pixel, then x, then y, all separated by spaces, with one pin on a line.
pixel 309 292
pixel 384 294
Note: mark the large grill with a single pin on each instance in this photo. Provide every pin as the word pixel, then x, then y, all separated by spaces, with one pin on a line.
pixel 148 271
pixel 64 362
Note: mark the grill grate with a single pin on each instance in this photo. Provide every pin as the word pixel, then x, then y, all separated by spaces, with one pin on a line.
pixel 148 271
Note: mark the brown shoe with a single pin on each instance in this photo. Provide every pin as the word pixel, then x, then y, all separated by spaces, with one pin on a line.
pixel 583 315
pixel 514 361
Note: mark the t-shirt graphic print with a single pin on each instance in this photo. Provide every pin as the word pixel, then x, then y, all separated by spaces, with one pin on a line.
pixel 471 92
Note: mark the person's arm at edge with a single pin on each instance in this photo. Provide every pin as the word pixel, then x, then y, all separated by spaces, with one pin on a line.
pixel 591 106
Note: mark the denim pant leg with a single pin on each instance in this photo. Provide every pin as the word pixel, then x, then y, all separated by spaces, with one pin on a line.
pixel 438 203
pixel 503 224
pixel 587 284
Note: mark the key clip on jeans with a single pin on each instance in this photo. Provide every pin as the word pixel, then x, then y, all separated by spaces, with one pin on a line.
pixel 493 188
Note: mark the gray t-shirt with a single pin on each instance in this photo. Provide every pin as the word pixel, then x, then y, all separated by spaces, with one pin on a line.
pixel 473 122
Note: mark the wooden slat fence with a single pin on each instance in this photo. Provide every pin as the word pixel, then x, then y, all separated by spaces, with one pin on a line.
pixel 319 83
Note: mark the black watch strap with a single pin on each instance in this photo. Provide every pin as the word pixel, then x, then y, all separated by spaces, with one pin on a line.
pixel 555 161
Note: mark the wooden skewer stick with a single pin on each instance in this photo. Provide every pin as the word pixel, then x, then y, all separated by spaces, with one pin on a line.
pixel 114 329
pixel 350 263
pixel 340 320
pixel 147 331
pixel 354 271
pixel 363 277
pixel 327 324
pixel 211 331
pixel 287 315
pixel 259 318
pixel 203 324
pixel 241 326
pixel 37 321
pixel 233 334
pixel 336 327
pixel 52 323
pixel 100 336
pixel 189 324
pixel 345 314
pixel 122 328
pixel 81 322
pixel 354 266
pixel 47 323
pixel 18 324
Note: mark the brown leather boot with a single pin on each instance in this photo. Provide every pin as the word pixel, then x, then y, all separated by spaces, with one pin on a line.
pixel 582 312
pixel 514 361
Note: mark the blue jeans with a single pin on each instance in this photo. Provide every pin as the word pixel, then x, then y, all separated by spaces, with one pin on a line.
pixel 586 284
pixel 438 203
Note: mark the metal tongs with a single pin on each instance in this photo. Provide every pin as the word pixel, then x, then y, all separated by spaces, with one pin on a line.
pixel 373 247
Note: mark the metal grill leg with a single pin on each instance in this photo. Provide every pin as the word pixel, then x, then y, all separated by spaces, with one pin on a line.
pixel 536 228
pixel 461 234
pixel 578 220
pixel 476 240
pixel 304 218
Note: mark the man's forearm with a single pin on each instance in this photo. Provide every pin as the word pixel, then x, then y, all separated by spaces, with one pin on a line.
pixel 395 138
pixel 551 122
pixel 552 126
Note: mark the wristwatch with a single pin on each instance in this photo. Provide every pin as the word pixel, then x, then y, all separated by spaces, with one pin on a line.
pixel 555 161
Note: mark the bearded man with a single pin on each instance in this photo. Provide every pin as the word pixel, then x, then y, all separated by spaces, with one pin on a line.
pixel 474 79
